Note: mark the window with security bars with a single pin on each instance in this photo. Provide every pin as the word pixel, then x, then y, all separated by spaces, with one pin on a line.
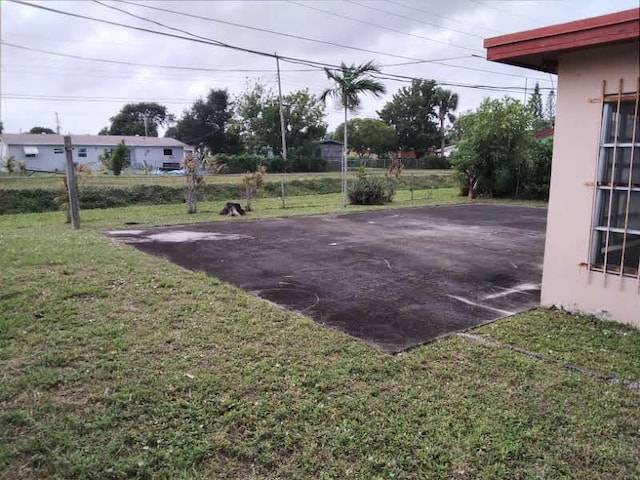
pixel 616 231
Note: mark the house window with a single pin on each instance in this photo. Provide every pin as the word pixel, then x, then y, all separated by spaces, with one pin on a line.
pixel 58 150
pixel 168 152
pixel 82 152
pixel 616 233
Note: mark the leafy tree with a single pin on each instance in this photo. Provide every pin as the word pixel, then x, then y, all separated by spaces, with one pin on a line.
pixel 258 119
pixel 350 82
pixel 494 147
pixel 117 159
pixel 550 112
pixel 1 127
pixel 40 130
pixel 412 113
pixel 368 135
pixel 207 124
pixel 446 102
pixel 131 120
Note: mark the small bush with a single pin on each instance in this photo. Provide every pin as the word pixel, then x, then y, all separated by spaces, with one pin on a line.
pixel 367 190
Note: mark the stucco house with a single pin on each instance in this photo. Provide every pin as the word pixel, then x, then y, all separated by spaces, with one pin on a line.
pixel 592 252
pixel 45 153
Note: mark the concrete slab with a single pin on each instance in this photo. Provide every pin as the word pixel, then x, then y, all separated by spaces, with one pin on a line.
pixel 395 278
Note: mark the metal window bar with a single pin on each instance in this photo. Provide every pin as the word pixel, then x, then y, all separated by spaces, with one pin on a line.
pixel 595 189
pixel 631 158
pixel 613 176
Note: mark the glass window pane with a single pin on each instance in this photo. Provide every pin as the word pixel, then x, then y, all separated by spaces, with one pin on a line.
pixel 634 211
pixel 613 251
pixel 632 254
pixel 623 166
pixel 618 209
pixel 625 120
pixel 625 129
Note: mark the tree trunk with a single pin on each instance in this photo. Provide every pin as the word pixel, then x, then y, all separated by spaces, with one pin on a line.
pixel 473 188
pixel 191 199
pixel 344 161
pixel 441 136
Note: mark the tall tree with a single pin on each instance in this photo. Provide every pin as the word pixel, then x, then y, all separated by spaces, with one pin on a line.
pixel 258 121
pixel 412 113
pixel 139 119
pixel 207 124
pixel 1 127
pixel 494 145
pixel 535 103
pixel 350 82
pixel 446 103
pixel 40 130
pixel 368 135
pixel 550 112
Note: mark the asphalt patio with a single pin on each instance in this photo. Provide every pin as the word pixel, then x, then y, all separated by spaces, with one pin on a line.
pixel 395 279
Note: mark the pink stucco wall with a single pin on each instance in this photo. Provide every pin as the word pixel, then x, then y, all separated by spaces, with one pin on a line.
pixel 566 281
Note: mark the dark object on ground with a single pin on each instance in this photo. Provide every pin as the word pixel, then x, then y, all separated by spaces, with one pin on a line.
pixel 132 223
pixel 170 166
pixel 394 278
pixel 232 209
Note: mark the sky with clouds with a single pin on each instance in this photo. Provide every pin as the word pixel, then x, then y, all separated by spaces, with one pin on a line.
pixel 85 93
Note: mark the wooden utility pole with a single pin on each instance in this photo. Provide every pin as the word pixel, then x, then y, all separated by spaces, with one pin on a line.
pixel 284 136
pixel 72 185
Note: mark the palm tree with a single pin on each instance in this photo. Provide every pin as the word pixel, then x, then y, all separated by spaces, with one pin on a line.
pixel 446 102
pixel 349 83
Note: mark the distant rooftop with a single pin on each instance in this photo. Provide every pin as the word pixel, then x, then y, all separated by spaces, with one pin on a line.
pixel 539 49
pixel 91 140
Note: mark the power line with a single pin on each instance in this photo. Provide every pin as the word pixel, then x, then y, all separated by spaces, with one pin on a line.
pixel 404 33
pixel 432 14
pixel 502 10
pixel 207 41
pixel 259 29
pixel 175 12
pixel 405 17
pixel 377 25
pixel 69 98
pixel 137 64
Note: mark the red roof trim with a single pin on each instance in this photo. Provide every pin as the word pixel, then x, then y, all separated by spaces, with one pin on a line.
pixel 549 41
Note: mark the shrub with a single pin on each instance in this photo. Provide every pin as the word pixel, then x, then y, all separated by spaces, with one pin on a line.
pixel 242 163
pixel 31 200
pixel 368 190
pixel 117 159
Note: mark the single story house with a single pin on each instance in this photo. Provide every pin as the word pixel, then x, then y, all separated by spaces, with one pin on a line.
pixel 45 152
pixel 592 252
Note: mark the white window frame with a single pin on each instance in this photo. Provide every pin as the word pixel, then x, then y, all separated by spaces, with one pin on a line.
pixel 164 152
pixel 82 152
pixel 58 150
pixel 606 189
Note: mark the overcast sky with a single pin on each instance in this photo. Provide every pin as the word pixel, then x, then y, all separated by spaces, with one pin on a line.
pixel 86 93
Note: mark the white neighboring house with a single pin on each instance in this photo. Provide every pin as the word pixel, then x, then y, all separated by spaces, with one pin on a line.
pixel 45 152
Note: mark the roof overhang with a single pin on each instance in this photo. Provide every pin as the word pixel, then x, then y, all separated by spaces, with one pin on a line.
pixel 540 49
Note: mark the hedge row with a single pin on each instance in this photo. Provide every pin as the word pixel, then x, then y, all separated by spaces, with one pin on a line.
pixel 34 200
pixel 249 163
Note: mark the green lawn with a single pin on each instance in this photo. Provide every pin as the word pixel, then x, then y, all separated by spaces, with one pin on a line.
pixel 137 178
pixel 116 364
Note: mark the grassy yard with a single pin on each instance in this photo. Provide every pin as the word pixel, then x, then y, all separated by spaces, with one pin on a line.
pixel 98 179
pixel 116 364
